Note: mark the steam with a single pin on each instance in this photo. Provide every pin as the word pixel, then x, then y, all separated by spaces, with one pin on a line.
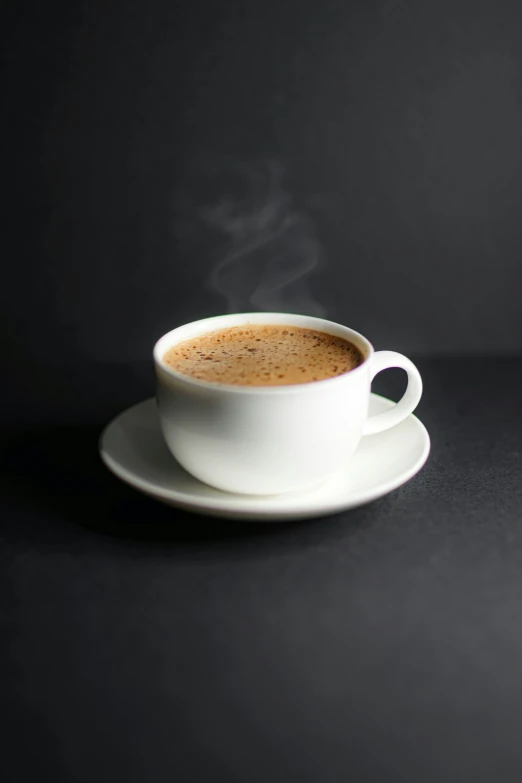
pixel 267 247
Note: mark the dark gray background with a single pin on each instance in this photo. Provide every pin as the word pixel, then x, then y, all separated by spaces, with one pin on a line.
pixel 398 126
pixel 144 644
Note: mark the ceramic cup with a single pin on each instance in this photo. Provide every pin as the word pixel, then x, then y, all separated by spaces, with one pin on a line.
pixel 266 440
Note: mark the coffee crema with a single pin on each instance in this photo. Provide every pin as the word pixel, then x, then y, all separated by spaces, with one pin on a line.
pixel 263 355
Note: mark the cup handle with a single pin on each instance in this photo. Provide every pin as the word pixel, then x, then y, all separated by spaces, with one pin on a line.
pixel 383 360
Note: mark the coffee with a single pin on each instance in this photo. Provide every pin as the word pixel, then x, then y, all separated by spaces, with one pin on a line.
pixel 263 355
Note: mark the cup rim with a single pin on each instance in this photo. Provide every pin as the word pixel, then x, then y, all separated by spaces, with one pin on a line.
pixel 216 322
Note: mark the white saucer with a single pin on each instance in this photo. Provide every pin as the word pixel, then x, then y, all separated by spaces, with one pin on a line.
pixel 133 448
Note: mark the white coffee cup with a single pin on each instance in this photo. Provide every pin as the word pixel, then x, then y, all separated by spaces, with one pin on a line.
pixel 266 440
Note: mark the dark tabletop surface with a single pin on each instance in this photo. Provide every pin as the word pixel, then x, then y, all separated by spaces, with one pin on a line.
pixel 146 644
